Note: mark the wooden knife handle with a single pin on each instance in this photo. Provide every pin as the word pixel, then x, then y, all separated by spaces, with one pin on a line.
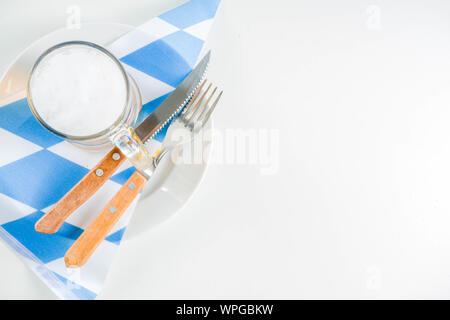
pixel 81 192
pixel 97 231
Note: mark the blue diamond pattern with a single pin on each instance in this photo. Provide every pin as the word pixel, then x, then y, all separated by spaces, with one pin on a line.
pixel 191 13
pixel 165 64
pixel 186 45
pixel 18 119
pixel 116 237
pixel 81 292
pixel 123 176
pixel 46 247
pixel 40 179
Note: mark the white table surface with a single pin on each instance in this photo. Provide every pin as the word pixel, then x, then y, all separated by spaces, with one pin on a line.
pixel 359 93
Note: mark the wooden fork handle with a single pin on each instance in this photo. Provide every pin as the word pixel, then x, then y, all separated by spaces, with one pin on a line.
pixel 97 231
pixel 80 193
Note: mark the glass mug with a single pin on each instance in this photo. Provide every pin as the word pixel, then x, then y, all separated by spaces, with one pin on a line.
pixel 120 133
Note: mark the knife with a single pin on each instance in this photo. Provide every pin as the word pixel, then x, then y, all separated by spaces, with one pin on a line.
pixel 83 190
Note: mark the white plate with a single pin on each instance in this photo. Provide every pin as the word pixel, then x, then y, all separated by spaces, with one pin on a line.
pixel 172 184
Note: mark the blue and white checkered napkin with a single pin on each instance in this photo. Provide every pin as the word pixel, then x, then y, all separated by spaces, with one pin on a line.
pixel 39 168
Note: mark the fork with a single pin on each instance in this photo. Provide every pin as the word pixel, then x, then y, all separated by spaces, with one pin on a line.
pixel 191 121
pixel 194 117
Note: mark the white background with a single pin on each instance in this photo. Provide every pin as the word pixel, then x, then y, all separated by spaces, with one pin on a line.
pixel 359 92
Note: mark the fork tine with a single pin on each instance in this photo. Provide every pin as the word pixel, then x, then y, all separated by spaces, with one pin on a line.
pixel 201 110
pixel 191 102
pixel 192 110
pixel 210 111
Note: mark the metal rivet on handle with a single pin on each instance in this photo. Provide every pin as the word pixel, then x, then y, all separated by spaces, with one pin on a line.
pixel 116 156
pixel 99 172
pixel 112 209
pixel 131 186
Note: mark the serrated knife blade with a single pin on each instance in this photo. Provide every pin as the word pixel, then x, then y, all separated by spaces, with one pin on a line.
pixel 174 102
